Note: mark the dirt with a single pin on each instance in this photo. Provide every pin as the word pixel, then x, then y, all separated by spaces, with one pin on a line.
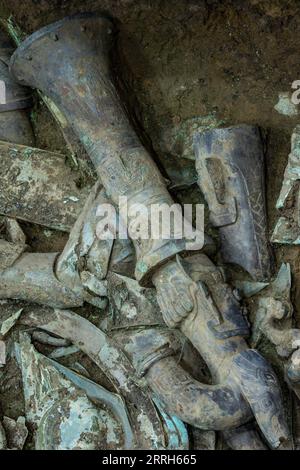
pixel 223 60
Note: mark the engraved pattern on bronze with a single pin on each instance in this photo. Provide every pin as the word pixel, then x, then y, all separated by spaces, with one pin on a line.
pixel 160 303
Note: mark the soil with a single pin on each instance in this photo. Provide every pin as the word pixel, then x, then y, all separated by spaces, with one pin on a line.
pixel 222 60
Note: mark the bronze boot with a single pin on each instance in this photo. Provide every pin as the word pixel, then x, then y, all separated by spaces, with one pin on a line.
pixel 69 61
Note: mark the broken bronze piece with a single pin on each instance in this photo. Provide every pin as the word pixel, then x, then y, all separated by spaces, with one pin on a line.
pixel 287 229
pixel 61 406
pixel 206 311
pixel 85 93
pixel 230 165
pixel 38 186
pixel 31 276
pixel 107 354
pixel 274 320
pixel 216 333
pixel 60 280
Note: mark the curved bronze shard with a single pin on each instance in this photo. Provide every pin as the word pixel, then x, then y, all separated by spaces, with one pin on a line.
pixel 69 62
pixel 63 394
pixel 14 122
pixel 230 165
pixel 104 352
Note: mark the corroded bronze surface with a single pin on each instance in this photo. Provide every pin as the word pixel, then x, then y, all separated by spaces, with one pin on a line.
pixel 230 165
pixel 14 122
pixel 140 351
pixel 215 325
pixel 38 186
pixel 76 51
pixel 286 230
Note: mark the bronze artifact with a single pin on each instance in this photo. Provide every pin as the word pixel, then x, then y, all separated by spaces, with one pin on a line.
pixel 230 166
pixel 286 230
pixel 37 186
pixel 157 298
pixel 15 124
pixel 89 101
pixel 215 326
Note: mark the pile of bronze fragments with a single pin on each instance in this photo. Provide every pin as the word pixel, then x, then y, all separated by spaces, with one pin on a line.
pixel 173 339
